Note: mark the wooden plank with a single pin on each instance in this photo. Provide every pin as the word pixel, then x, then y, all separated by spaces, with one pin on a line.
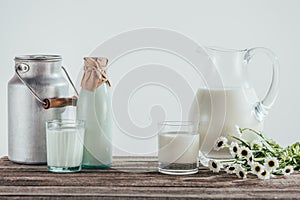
pixel 150 179
pixel 191 192
pixel 35 181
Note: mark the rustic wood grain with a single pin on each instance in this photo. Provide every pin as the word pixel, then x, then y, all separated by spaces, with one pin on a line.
pixel 137 177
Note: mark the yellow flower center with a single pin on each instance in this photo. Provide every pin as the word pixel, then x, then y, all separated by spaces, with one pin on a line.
pixel 250 159
pixel 231 168
pixel 271 163
pixel 244 152
pixel 241 174
pixel 257 168
pixel 220 143
pixel 214 165
pixel 234 149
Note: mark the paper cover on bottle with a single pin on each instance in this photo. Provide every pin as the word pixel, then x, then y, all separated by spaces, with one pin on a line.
pixel 94 73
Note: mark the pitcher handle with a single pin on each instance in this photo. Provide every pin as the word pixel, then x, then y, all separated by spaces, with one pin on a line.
pixel 262 107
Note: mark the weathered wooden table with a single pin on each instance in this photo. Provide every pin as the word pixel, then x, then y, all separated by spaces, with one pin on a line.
pixel 133 177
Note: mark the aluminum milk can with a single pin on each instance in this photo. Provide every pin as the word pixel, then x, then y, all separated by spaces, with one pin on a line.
pixel 36 93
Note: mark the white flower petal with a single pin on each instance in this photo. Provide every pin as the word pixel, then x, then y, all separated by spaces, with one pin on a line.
pixel 241 172
pixel 250 160
pixel 214 166
pixel 231 169
pixel 234 149
pixel 288 170
pixel 220 143
pixel 257 168
pixel 265 174
pixel 271 164
pixel 244 152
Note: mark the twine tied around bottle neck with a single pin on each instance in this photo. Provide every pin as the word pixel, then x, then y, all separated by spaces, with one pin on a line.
pixel 94 73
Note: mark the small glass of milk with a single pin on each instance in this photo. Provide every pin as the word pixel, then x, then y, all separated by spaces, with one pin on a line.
pixel 65 139
pixel 178 143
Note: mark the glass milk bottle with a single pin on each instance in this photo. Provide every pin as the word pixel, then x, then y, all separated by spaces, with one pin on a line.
pixel 94 107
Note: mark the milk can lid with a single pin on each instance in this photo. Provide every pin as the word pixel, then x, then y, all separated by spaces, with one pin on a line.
pixel 41 57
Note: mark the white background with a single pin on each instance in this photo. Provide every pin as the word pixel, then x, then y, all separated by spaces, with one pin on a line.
pixel 74 28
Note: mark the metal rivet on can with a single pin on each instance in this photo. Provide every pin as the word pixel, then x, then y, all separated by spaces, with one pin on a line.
pixel 22 67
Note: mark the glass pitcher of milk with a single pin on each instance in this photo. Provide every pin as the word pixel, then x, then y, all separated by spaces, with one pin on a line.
pixel 220 111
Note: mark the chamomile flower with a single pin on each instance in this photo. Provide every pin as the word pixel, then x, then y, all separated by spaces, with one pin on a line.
pixel 220 143
pixel 288 170
pixel 244 152
pixel 253 153
pixel 241 172
pixel 234 149
pixel 271 164
pixel 265 174
pixel 256 144
pixel 231 169
pixel 257 168
pixel 250 159
pixel 214 166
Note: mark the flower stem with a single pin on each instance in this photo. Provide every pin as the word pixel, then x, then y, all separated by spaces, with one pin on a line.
pixel 259 159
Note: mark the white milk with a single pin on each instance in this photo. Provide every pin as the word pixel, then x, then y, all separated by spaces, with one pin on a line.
pixel 220 111
pixel 179 147
pixel 65 147
pixel 94 108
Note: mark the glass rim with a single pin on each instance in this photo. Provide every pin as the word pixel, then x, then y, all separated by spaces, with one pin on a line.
pixel 65 122
pixel 221 49
pixel 177 123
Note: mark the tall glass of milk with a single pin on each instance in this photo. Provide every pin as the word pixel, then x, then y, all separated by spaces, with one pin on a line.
pixel 178 143
pixel 64 145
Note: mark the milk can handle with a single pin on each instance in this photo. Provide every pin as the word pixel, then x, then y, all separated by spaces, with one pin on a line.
pixel 70 80
pixel 262 107
pixel 52 102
